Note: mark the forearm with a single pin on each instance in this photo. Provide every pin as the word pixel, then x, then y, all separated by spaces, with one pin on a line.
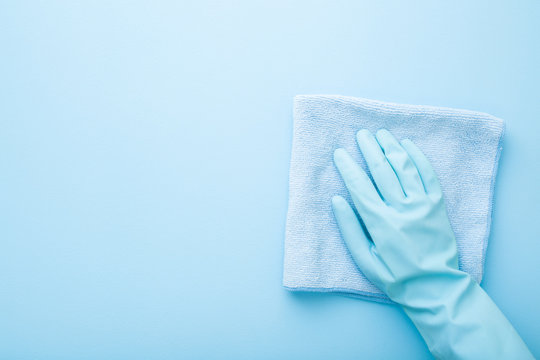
pixel 458 320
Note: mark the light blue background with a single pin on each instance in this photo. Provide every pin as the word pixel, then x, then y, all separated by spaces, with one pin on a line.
pixel 144 153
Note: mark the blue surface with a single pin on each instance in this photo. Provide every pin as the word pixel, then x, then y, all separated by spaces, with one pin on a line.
pixel 144 151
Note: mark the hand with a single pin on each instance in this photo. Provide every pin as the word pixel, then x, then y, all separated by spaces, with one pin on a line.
pixel 407 235
pixel 402 241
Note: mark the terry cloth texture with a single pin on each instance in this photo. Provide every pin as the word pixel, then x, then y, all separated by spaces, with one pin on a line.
pixel 463 147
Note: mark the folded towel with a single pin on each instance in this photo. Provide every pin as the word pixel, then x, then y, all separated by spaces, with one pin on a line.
pixel 463 147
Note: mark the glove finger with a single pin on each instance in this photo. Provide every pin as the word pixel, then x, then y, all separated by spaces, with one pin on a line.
pixel 355 238
pixel 365 197
pixel 401 163
pixel 381 170
pixel 428 176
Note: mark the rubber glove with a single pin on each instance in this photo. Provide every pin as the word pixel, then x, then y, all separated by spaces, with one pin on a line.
pixel 403 242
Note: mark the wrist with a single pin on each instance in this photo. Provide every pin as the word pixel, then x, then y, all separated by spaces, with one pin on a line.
pixel 430 291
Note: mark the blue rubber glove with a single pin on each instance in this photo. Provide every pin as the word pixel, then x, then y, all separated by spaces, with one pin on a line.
pixel 402 241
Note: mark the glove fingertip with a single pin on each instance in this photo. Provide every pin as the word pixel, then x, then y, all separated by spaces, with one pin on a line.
pixel 339 155
pixel 337 200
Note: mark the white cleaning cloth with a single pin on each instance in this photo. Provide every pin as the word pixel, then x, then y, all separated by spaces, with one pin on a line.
pixel 463 147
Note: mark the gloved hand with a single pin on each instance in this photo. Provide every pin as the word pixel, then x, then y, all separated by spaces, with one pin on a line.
pixel 404 244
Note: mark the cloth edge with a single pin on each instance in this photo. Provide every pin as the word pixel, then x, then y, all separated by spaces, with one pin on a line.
pixel 495 170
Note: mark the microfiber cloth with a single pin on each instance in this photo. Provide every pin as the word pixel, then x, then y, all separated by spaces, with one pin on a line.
pixel 462 146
